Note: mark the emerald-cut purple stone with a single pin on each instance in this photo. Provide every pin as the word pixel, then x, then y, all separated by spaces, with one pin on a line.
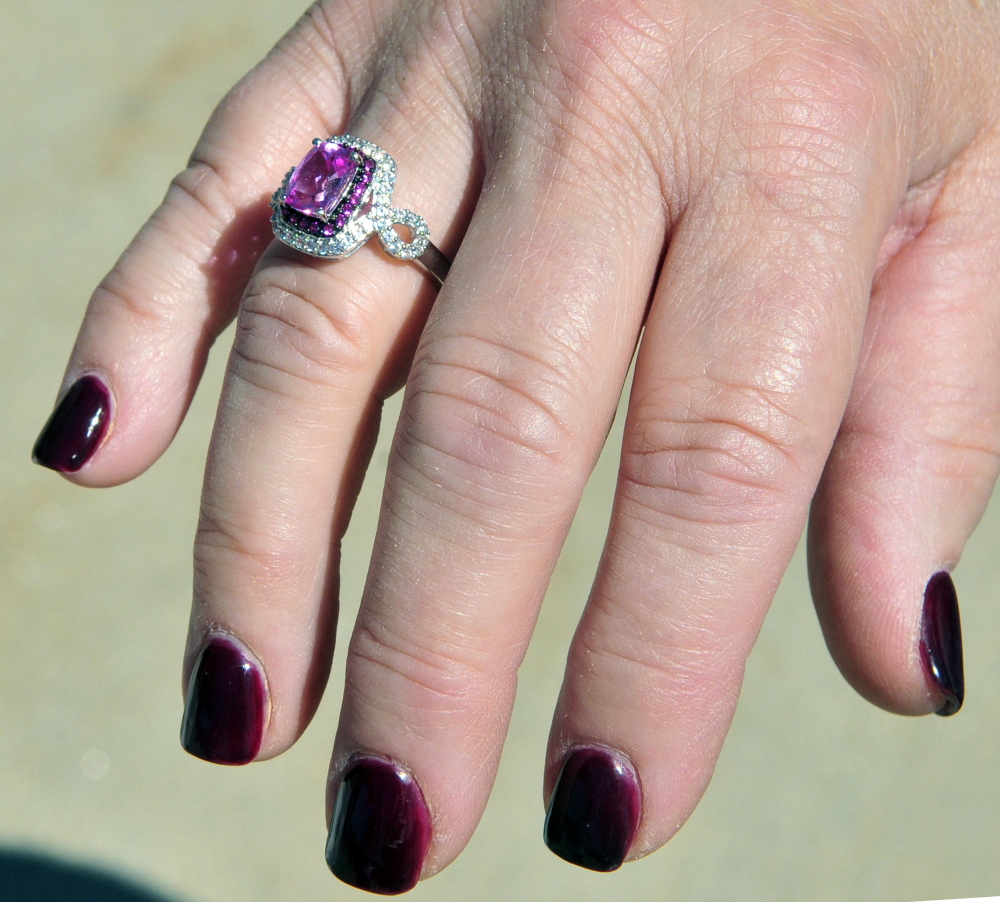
pixel 322 179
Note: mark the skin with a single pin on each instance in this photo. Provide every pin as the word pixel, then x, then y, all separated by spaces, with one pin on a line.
pixel 797 205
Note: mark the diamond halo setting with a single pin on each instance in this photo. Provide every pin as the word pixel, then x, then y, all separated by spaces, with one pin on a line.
pixel 338 196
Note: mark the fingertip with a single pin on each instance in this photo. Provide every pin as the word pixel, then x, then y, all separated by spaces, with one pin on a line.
pixel 101 433
pixel 893 631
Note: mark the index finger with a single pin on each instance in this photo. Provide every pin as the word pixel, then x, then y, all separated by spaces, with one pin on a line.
pixel 150 323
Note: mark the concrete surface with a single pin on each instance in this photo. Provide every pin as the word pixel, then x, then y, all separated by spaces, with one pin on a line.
pixel 817 796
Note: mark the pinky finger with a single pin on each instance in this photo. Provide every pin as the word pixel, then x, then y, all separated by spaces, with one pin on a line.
pixel 149 325
pixel 916 459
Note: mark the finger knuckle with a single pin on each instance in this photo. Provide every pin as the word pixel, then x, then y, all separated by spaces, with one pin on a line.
pixel 810 113
pixel 595 35
pixel 231 548
pixel 320 38
pixel 198 193
pixel 293 331
pixel 594 62
pixel 499 417
pixel 117 294
pixel 195 208
pixel 673 659
pixel 427 672
pixel 725 455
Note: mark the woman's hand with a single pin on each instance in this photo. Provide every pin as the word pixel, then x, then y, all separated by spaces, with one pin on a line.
pixel 797 203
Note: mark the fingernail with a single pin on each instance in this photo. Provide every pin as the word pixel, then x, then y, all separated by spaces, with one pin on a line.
pixel 226 707
pixel 380 829
pixel 75 428
pixel 941 643
pixel 594 812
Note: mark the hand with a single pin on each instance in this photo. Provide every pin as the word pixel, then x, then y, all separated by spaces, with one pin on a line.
pixel 805 199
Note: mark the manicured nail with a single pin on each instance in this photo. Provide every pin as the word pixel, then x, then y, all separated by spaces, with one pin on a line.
pixel 226 707
pixel 594 811
pixel 380 829
pixel 75 428
pixel 941 643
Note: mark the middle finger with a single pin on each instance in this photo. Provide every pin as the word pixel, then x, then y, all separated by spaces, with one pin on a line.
pixel 513 387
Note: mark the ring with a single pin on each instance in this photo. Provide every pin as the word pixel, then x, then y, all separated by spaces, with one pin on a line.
pixel 339 196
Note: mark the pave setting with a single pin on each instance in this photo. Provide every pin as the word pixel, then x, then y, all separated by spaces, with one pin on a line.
pixel 338 196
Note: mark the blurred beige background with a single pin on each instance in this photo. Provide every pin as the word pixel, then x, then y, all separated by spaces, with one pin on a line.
pixel 817 796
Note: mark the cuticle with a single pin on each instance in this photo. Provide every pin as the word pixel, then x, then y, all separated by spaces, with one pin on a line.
pixel 612 752
pixel 360 754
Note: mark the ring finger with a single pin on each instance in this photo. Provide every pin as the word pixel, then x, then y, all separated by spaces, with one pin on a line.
pixel 318 345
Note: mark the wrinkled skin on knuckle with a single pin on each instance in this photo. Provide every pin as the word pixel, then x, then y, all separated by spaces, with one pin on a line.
pixel 689 645
pixel 729 461
pixel 838 88
pixel 196 203
pixel 298 329
pixel 200 191
pixel 483 417
pixel 802 102
pixel 579 95
pixel 232 551
pixel 813 126
pixel 392 47
pixel 441 672
pixel 670 81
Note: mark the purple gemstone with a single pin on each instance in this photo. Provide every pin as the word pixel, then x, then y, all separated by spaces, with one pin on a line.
pixel 328 230
pixel 320 181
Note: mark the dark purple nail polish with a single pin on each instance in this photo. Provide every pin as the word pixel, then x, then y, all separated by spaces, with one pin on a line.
pixel 75 428
pixel 226 706
pixel 594 811
pixel 941 643
pixel 380 829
